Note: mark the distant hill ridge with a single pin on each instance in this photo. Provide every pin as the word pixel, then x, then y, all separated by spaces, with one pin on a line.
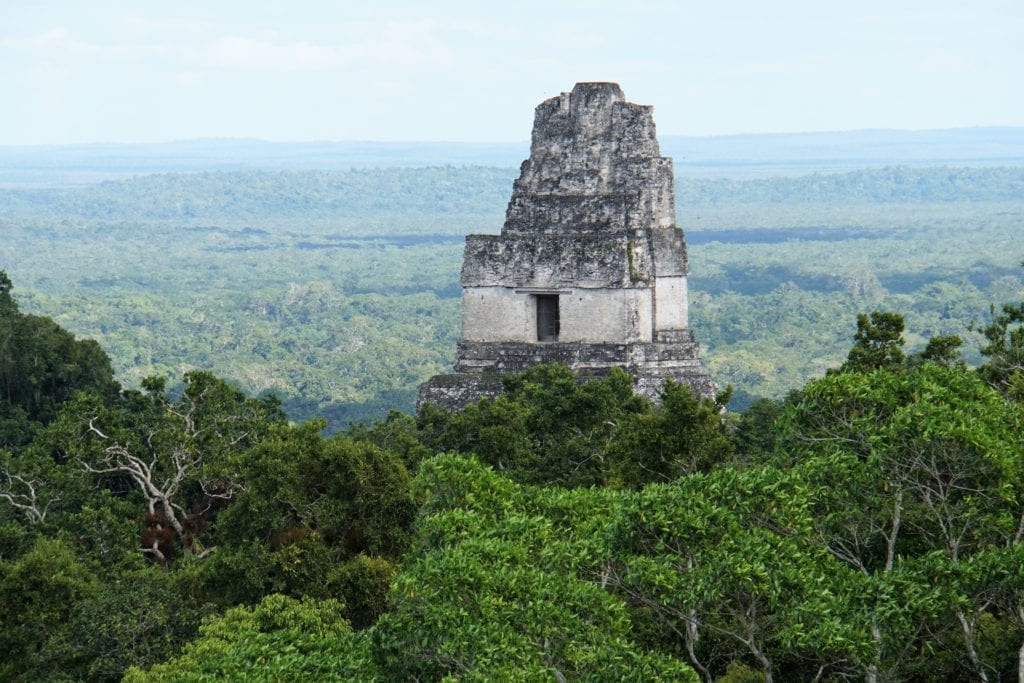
pixel 728 156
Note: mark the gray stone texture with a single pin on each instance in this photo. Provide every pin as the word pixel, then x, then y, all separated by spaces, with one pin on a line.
pixel 591 220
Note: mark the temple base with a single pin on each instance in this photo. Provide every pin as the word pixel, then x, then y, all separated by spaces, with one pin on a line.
pixel 479 366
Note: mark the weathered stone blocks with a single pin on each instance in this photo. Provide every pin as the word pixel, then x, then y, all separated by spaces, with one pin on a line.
pixel 589 259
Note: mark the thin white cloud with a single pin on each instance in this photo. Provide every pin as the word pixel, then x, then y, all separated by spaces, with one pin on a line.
pixel 56 37
pixel 190 47
pixel 188 79
pixel 398 43
pixel 146 26
pixel 49 75
pixel 576 40
pixel 54 40
pixel 240 52
pixel 392 88
pixel 58 43
pixel 411 43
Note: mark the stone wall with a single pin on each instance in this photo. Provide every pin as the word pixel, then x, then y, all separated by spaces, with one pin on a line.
pixel 587 315
pixel 671 304
pixel 591 220
pixel 578 260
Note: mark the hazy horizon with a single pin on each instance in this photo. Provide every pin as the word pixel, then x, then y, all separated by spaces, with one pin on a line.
pixel 455 71
pixel 522 140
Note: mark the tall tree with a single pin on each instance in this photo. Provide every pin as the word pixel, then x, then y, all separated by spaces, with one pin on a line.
pixel 170 451
pixel 703 553
pixel 1005 351
pixel 878 342
pixel 682 435
pixel 41 367
pixel 906 464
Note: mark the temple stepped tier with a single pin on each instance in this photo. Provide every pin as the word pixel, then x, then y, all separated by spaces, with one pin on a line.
pixel 589 269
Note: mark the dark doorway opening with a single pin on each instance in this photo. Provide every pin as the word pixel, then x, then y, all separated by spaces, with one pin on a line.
pixel 547 317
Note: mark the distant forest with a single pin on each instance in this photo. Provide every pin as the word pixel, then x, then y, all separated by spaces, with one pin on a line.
pixel 338 290
pixel 357 200
pixel 210 469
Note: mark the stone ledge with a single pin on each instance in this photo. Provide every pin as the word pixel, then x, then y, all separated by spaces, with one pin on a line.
pixel 479 366
pixel 455 391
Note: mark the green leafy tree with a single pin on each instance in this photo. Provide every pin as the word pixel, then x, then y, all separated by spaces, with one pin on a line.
pixel 28 486
pixel 506 587
pixel 996 575
pixel 552 427
pixel 41 366
pixel 38 594
pixel 170 452
pixel 352 493
pixel 413 439
pixel 701 555
pixel 317 516
pixel 878 342
pixel 280 638
pixel 484 611
pixel 943 349
pixel 907 466
pixel 134 618
pixel 498 432
pixel 753 435
pixel 1005 351
pixel 572 422
pixel 365 582
pixel 682 435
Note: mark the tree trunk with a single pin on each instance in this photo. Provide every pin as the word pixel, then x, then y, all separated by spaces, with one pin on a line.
pixel 871 675
pixel 759 655
pixel 176 524
pixel 1020 653
pixel 766 666
pixel 972 653
pixel 692 636
pixel 1020 665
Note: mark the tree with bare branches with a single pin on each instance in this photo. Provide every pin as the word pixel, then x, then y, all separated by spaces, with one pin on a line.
pixel 171 452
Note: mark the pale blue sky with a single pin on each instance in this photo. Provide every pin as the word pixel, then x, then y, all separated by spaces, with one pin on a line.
pixel 132 71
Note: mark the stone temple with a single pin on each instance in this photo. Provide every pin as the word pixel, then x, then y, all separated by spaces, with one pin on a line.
pixel 589 269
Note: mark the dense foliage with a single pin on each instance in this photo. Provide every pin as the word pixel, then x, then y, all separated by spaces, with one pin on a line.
pixel 41 366
pixel 867 524
pixel 338 291
pixel 870 526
